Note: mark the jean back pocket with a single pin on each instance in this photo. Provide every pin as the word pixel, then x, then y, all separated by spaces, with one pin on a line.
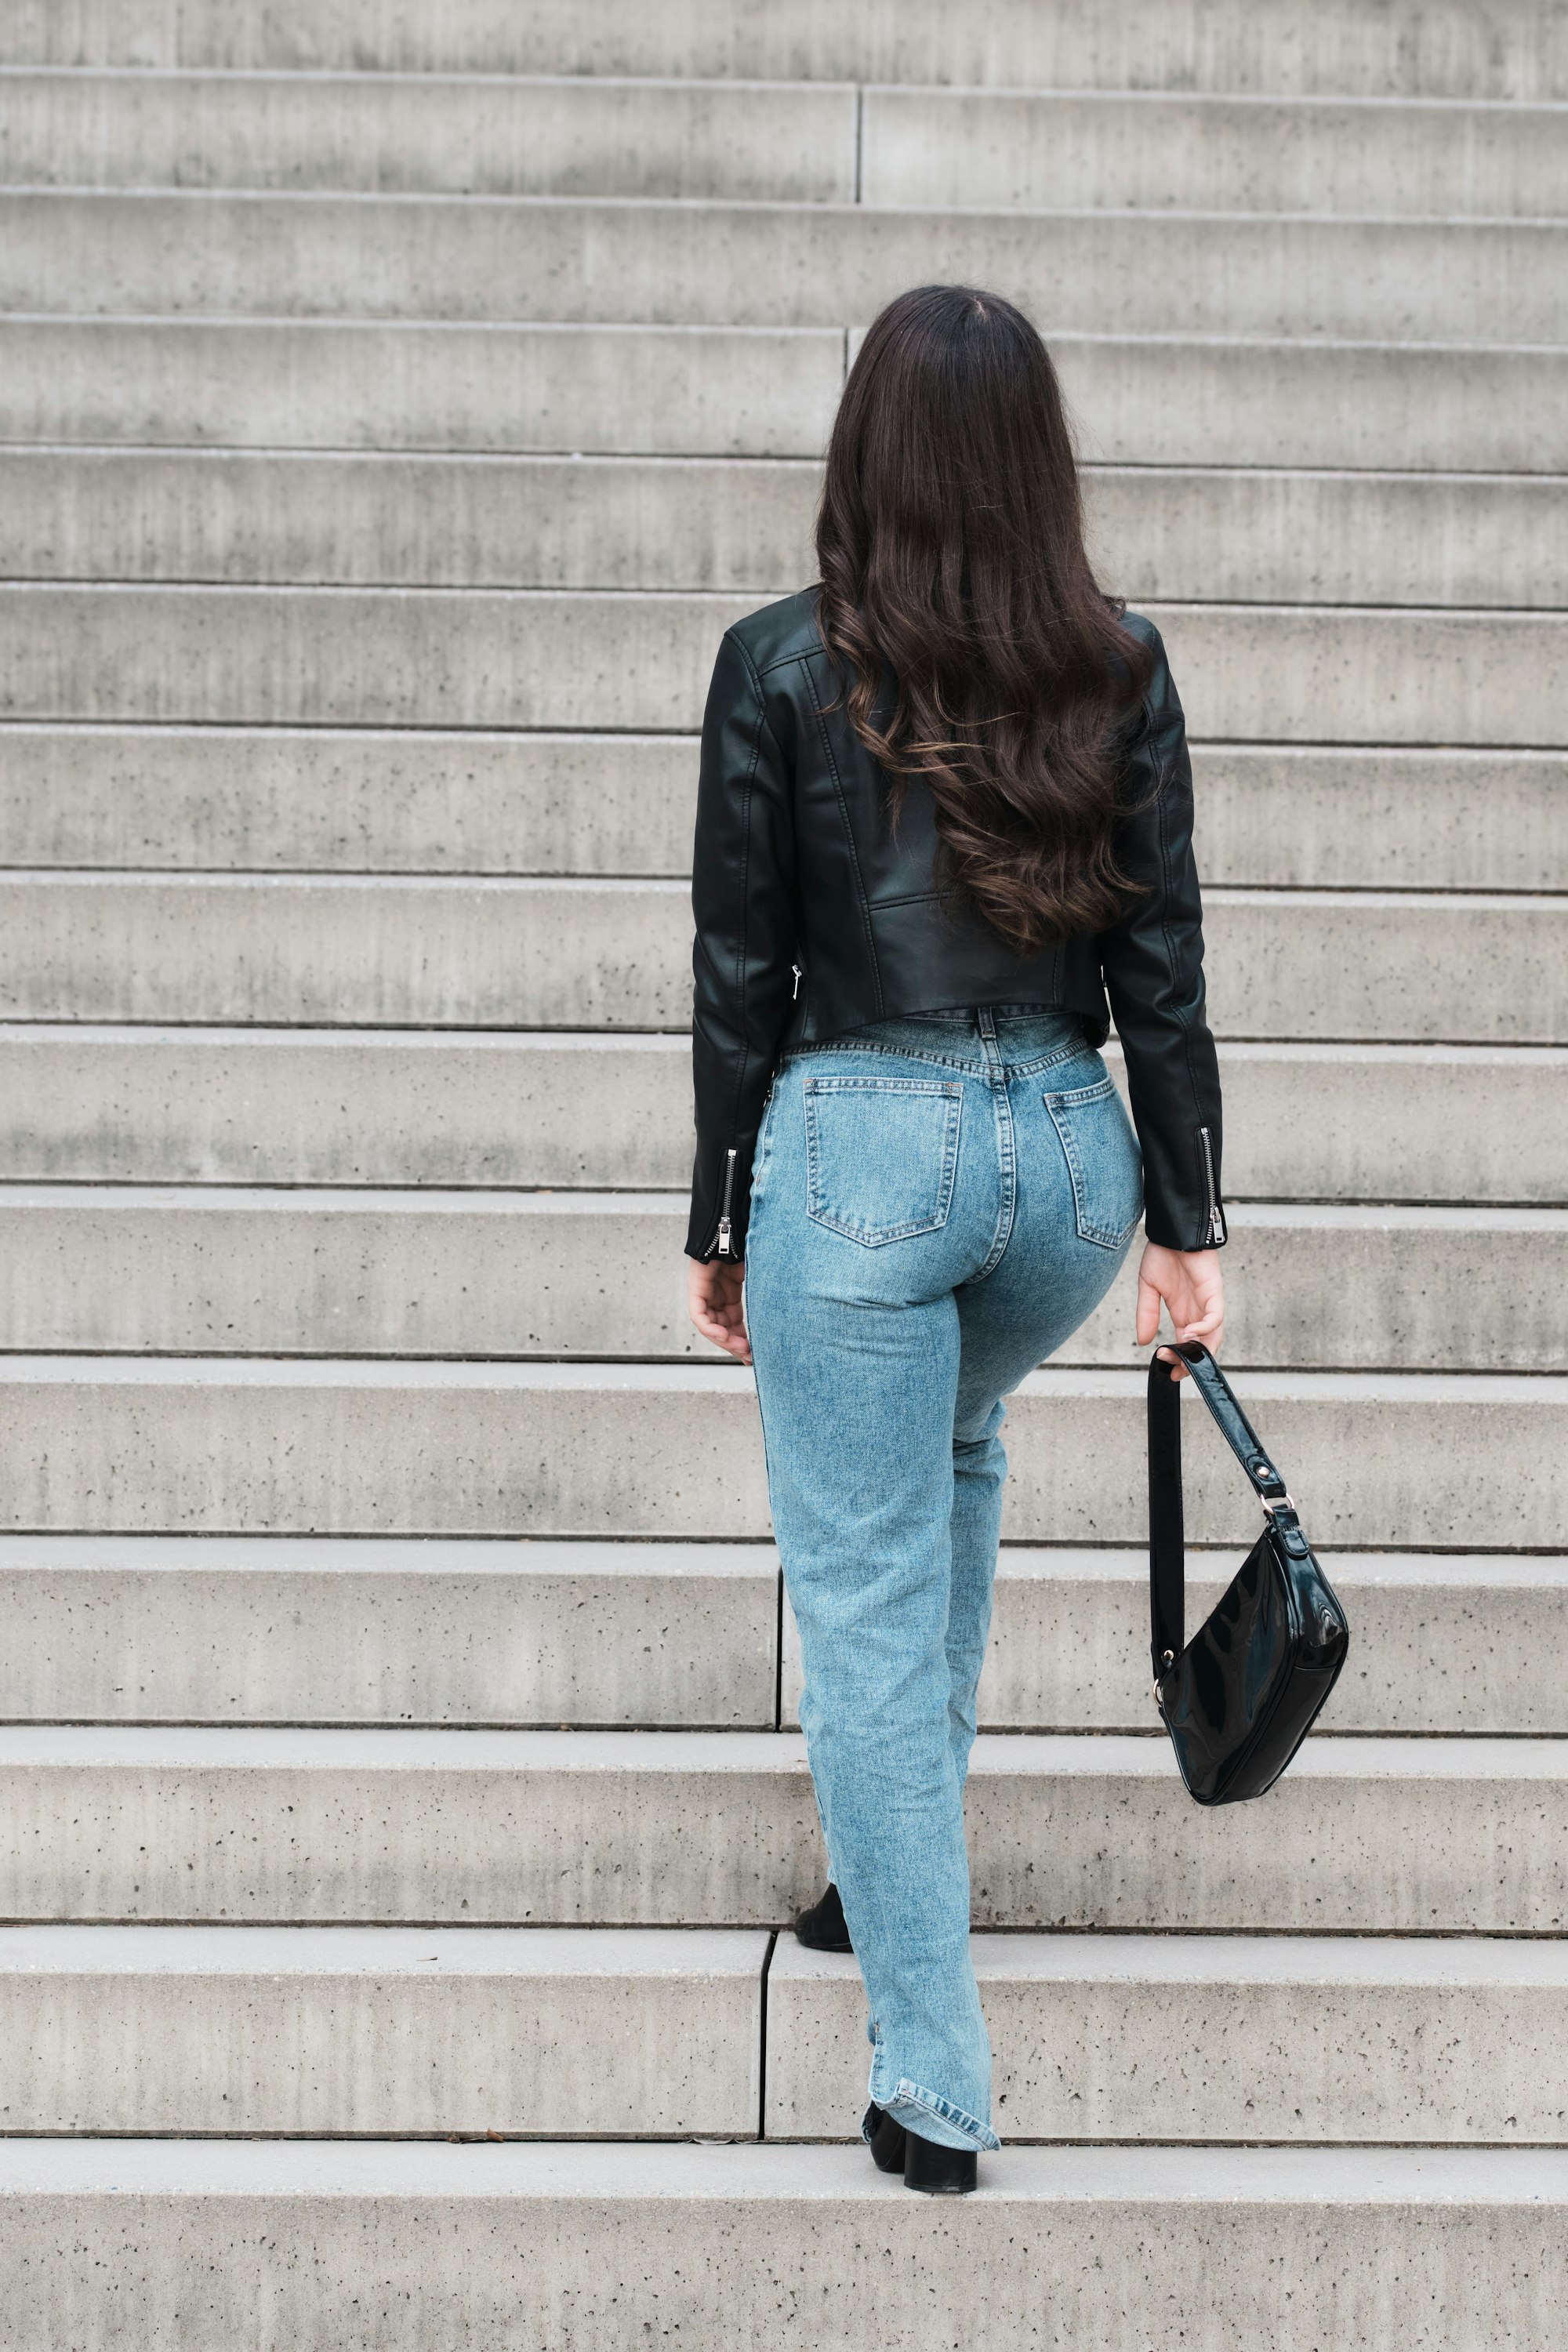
pixel 882 1155
pixel 1102 1158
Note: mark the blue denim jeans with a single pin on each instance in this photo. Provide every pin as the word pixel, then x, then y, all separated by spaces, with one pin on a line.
pixel 937 1203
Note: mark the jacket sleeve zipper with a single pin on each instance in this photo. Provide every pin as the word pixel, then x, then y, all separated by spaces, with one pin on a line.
pixel 724 1205
pixel 1216 1215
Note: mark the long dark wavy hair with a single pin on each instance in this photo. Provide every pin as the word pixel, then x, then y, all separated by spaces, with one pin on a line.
pixel 976 647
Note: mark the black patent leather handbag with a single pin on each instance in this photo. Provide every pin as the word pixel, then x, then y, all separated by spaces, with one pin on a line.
pixel 1242 1695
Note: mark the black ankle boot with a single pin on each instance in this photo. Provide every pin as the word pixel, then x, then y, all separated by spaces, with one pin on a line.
pixel 822 1928
pixel 937 2171
pixel 934 2171
pixel 885 2138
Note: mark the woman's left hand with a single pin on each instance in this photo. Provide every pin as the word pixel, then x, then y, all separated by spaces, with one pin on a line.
pixel 713 1298
pixel 1188 1283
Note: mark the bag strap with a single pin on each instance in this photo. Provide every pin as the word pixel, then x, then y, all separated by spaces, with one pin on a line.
pixel 1167 1547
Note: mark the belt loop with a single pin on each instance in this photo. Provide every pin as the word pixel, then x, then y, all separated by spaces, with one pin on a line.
pixel 988 1020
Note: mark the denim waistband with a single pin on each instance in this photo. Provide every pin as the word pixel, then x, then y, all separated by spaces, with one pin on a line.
pixel 977 1036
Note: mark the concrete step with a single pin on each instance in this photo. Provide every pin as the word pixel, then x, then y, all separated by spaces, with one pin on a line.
pixel 591 2245
pixel 1139 399
pixel 247 1629
pixel 1300 2039
pixel 778 140
pixel 642 2033
pixel 364 800
pixel 357 952
pixel 1442 1643
pixel 363 1446
pixel 348 383
pixel 544 2032
pixel 278 1629
pixel 643 259
pixel 1237 535
pixel 491 136
pixel 79 1103
pixel 1167 150
pixel 185 1271
pixel 519 658
pixel 1439 49
pixel 674 1828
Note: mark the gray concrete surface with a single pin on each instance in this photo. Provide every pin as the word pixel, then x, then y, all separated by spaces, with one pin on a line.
pixel 489 135
pixel 644 1828
pixel 258 1629
pixel 143 1445
pixel 453 384
pixel 610 953
pixel 251 1629
pixel 753 391
pixel 1450 1643
pixel 381 2031
pixel 1159 151
pixel 645 260
pixel 430 1272
pixel 1294 2039
pixel 1238 534
pixel 778 140
pixel 360 799
pixel 503 658
pixel 1439 49
pixel 1305 1122
pixel 589 2249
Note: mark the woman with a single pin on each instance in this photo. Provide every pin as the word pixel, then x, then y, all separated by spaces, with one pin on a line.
pixel 944 814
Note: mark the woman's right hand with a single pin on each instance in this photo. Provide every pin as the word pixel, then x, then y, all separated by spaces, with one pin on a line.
pixel 1189 1286
pixel 715 1302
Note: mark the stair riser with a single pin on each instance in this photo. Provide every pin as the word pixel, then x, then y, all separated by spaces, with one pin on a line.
pixel 723 524
pixel 330 384
pixel 285 1273
pixel 965 147
pixel 460 2250
pixel 762 265
pixel 790 144
pixel 1430 1654
pixel 1224 2058
pixel 357 801
pixel 612 954
pixel 678 1637
pixel 777 142
pixel 209 2042
pixel 321 1108
pixel 535 1837
pixel 485 658
pixel 302 384
pixel 1515 52
pixel 468 1450
pixel 668 1640
pixel 296 2049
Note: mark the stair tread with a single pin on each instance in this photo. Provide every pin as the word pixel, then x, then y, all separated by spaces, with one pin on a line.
pixel 1153 2175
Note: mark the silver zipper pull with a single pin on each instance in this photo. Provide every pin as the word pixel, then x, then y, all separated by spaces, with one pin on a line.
pixel 724 1224
pixel 1216 1215
pixel 799 976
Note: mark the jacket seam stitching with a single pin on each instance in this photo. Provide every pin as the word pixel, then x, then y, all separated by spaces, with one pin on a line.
pixel 741 954
pixel 1163 805
pixel 849 835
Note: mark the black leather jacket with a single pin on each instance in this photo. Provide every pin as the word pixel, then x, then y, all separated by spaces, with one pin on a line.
pixel 814 917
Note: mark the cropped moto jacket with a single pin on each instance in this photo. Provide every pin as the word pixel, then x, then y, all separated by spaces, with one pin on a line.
pixel 816 915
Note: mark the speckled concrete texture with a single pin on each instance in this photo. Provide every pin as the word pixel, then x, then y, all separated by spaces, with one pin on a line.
pixel 1295 2040
pixel 269 2249
pixel 682 1828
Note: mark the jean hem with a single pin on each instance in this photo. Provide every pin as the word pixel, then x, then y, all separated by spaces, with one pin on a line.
pixel 912 2107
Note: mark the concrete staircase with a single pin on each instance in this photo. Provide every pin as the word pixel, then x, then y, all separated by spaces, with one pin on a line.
pixel 397 1700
